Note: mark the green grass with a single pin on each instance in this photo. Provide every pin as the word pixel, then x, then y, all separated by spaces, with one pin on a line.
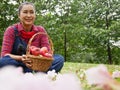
pixel 73 67
pixel 79 68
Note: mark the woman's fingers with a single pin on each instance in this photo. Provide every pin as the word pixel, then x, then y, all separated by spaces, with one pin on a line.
pixel 26 60
pixel 28 65
pixel 24 57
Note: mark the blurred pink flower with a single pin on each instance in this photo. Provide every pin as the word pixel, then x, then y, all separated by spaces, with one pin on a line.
pixel 116 74
pixel 100 77
pixel 12 78
pixel 67 82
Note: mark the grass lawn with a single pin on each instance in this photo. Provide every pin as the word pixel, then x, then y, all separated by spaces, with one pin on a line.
pixel 73 67
pixel 79 68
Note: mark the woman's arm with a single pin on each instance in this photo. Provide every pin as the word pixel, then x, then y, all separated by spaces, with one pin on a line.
pixel 8 40
pixel 16 57
pixel 44 38
pixel 22 58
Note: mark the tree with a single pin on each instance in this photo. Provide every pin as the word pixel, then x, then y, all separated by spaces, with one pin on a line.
pixel 81 30
pixel 101 14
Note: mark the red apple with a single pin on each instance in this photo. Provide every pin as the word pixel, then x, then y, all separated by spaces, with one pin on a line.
pixel 47 55
pixel 32 48
pixel 35 50
pixel 43 50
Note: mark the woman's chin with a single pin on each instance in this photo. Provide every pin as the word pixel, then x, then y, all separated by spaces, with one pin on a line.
pixel 29 23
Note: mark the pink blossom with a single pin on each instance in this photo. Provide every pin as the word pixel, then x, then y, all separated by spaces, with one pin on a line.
pixel 116 74
pixel 98 75
pixel 67 82
pixel 12 78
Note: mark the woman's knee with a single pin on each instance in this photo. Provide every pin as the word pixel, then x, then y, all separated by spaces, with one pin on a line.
pixel 58 62
pixel 59 57
pixel 7 60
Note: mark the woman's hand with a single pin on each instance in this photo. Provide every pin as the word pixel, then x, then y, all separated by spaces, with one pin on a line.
pixel 22 58
pixel 26 60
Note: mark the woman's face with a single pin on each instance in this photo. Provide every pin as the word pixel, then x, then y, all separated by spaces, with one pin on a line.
pixel 27 15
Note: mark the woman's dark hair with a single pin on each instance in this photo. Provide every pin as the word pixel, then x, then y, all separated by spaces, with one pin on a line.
pixel 24 3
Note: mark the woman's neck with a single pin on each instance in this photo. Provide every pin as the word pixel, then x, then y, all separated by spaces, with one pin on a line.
pixel 27 28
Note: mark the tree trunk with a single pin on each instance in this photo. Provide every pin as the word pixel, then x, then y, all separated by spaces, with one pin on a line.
pixel 109 54
pixel 108 45
pixel 65 46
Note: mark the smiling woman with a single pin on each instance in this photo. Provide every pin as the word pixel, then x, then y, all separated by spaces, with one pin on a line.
pixel 27 15
pixel 17 36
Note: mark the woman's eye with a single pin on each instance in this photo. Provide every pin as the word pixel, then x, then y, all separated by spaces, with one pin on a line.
pixel 25 12
pixel 31 12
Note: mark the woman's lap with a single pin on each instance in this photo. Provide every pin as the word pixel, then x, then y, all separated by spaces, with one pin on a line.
pixel 57 63
pixel 7 60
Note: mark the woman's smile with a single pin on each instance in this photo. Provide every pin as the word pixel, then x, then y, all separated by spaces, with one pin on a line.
pixel 27 15
pixel 28 20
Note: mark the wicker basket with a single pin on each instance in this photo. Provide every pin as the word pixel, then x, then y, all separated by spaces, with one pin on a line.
pixel 40 63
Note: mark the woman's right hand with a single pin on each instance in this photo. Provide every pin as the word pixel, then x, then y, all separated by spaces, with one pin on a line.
pixel 26 60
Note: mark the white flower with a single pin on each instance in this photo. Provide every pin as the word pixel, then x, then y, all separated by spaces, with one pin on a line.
pixel 52 75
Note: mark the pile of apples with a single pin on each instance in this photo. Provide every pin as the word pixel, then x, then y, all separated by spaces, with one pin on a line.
pixel 40 51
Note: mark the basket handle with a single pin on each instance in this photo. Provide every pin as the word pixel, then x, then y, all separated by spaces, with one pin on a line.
pixel 30 41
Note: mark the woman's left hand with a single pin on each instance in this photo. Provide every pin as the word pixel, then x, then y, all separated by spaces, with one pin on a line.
pixel 26 61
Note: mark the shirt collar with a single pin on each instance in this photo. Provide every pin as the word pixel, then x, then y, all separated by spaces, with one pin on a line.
pixel 20 27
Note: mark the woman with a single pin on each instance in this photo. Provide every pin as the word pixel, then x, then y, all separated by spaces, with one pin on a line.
pixel 16 38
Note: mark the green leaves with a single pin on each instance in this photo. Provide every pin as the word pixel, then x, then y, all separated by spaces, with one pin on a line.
pixel 80 29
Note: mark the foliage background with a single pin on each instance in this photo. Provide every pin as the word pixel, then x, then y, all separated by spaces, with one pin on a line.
pixel 81 30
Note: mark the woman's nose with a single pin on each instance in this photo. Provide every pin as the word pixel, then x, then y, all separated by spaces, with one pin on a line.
pixel 28 14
